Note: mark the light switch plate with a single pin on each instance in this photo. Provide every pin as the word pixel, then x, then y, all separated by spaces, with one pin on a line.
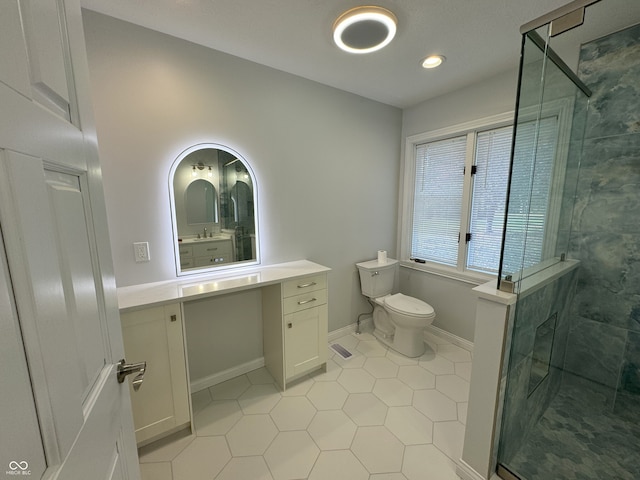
pixel 141 251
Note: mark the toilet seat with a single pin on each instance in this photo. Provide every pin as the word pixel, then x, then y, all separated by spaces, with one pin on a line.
pixel 409 306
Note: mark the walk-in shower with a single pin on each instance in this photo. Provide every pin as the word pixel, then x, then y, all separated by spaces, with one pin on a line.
pixel 571 250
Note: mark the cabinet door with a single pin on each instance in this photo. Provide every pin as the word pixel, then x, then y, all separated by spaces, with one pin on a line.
pixel 161 405
pixel 305 340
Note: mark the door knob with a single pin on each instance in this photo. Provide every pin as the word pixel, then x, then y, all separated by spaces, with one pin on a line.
pixel 125 369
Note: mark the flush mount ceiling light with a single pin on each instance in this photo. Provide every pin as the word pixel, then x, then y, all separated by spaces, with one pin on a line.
pixel 364 29
pixel 433 61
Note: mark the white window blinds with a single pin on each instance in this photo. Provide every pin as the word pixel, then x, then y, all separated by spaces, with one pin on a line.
pixel 438 200
pixel 529 201
pixel 441 221
pixel 492 157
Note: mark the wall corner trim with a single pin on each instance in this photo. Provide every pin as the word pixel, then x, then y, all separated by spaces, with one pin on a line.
pixel 464 471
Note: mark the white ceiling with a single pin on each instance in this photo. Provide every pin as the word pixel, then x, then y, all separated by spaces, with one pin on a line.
pixel 479 38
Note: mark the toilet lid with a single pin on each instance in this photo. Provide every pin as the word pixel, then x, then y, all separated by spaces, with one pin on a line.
pixel 408 305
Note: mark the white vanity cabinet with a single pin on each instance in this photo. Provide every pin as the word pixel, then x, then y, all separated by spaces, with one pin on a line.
pixel 295 324
pixel 161 405
pixel 206 253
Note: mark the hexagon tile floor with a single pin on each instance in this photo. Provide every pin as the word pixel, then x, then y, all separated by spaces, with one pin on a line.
pixel 375 416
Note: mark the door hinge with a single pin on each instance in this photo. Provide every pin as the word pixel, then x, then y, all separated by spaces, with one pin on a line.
pixel 474 170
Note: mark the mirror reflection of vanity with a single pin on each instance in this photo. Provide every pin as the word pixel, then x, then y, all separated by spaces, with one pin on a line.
pixel 213 202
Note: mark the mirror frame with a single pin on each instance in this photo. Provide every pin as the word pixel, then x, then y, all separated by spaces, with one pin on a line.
pixel 174 223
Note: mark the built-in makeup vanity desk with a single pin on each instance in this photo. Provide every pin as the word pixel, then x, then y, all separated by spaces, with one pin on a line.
pixel 295 324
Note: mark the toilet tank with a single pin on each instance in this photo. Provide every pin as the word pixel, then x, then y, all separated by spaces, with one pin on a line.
pixel 376 279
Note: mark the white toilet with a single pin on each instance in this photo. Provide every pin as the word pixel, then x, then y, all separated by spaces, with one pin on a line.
pixel 399 320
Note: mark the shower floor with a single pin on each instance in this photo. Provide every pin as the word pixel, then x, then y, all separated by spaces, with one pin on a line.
pixel 579 437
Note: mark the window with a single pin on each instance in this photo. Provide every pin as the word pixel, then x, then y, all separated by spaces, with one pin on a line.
pixel 438 200
pixel 492 157
pixel 531 230
pixel 456 187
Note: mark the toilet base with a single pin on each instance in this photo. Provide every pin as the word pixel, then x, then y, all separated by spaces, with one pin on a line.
pixel 406 342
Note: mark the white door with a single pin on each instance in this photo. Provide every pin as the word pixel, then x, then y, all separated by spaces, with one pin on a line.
pixel 63 414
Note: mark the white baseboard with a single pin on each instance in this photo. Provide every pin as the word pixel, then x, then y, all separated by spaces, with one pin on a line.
pixel 365 325
pixel 216 378
pixel 341 332
pixel 464 471
pixel 450 337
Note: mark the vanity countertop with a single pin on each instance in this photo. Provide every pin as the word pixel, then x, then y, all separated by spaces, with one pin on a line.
pixel 216 238
pixel 194 287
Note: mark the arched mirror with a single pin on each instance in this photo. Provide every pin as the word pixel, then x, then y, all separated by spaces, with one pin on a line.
pixel 213 204
pixel 201 202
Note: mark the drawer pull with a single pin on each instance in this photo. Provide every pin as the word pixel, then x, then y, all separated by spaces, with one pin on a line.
pixel 212 249
pixel 302 302
pixel 311 284
pixel 289 325
pixel 174 318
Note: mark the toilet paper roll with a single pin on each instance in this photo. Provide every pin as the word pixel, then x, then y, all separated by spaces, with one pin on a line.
pixel 382 256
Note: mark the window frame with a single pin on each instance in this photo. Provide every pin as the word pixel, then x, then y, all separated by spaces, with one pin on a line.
pixel 560 108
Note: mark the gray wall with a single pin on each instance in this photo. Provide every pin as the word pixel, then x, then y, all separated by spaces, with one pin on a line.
pixel 326 161
pixel 223 332
pixel 604 345
pixel 452 300
pixel 490 97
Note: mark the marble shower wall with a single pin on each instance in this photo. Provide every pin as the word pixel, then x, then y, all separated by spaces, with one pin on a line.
pixel 525 402
pixel 604 340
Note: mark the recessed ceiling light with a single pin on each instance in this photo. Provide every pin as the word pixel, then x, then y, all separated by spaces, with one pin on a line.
pixel 364 29
pixel 433 61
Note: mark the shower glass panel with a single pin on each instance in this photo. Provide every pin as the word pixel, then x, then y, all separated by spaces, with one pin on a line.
pixel 571 253
pixel 549 129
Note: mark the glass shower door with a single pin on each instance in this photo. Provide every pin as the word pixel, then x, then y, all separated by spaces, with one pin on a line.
pixel 548 140
pixel 550 120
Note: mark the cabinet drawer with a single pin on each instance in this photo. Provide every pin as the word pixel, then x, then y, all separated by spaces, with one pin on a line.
pixel 303 301
pixel 186 262
pixel 304 285
pixel 210 249
pixel 185 250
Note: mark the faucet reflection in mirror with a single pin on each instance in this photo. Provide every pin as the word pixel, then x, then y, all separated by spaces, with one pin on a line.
pixel 213 205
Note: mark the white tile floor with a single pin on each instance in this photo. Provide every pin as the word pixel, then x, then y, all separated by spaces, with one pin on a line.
pixel 375 416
